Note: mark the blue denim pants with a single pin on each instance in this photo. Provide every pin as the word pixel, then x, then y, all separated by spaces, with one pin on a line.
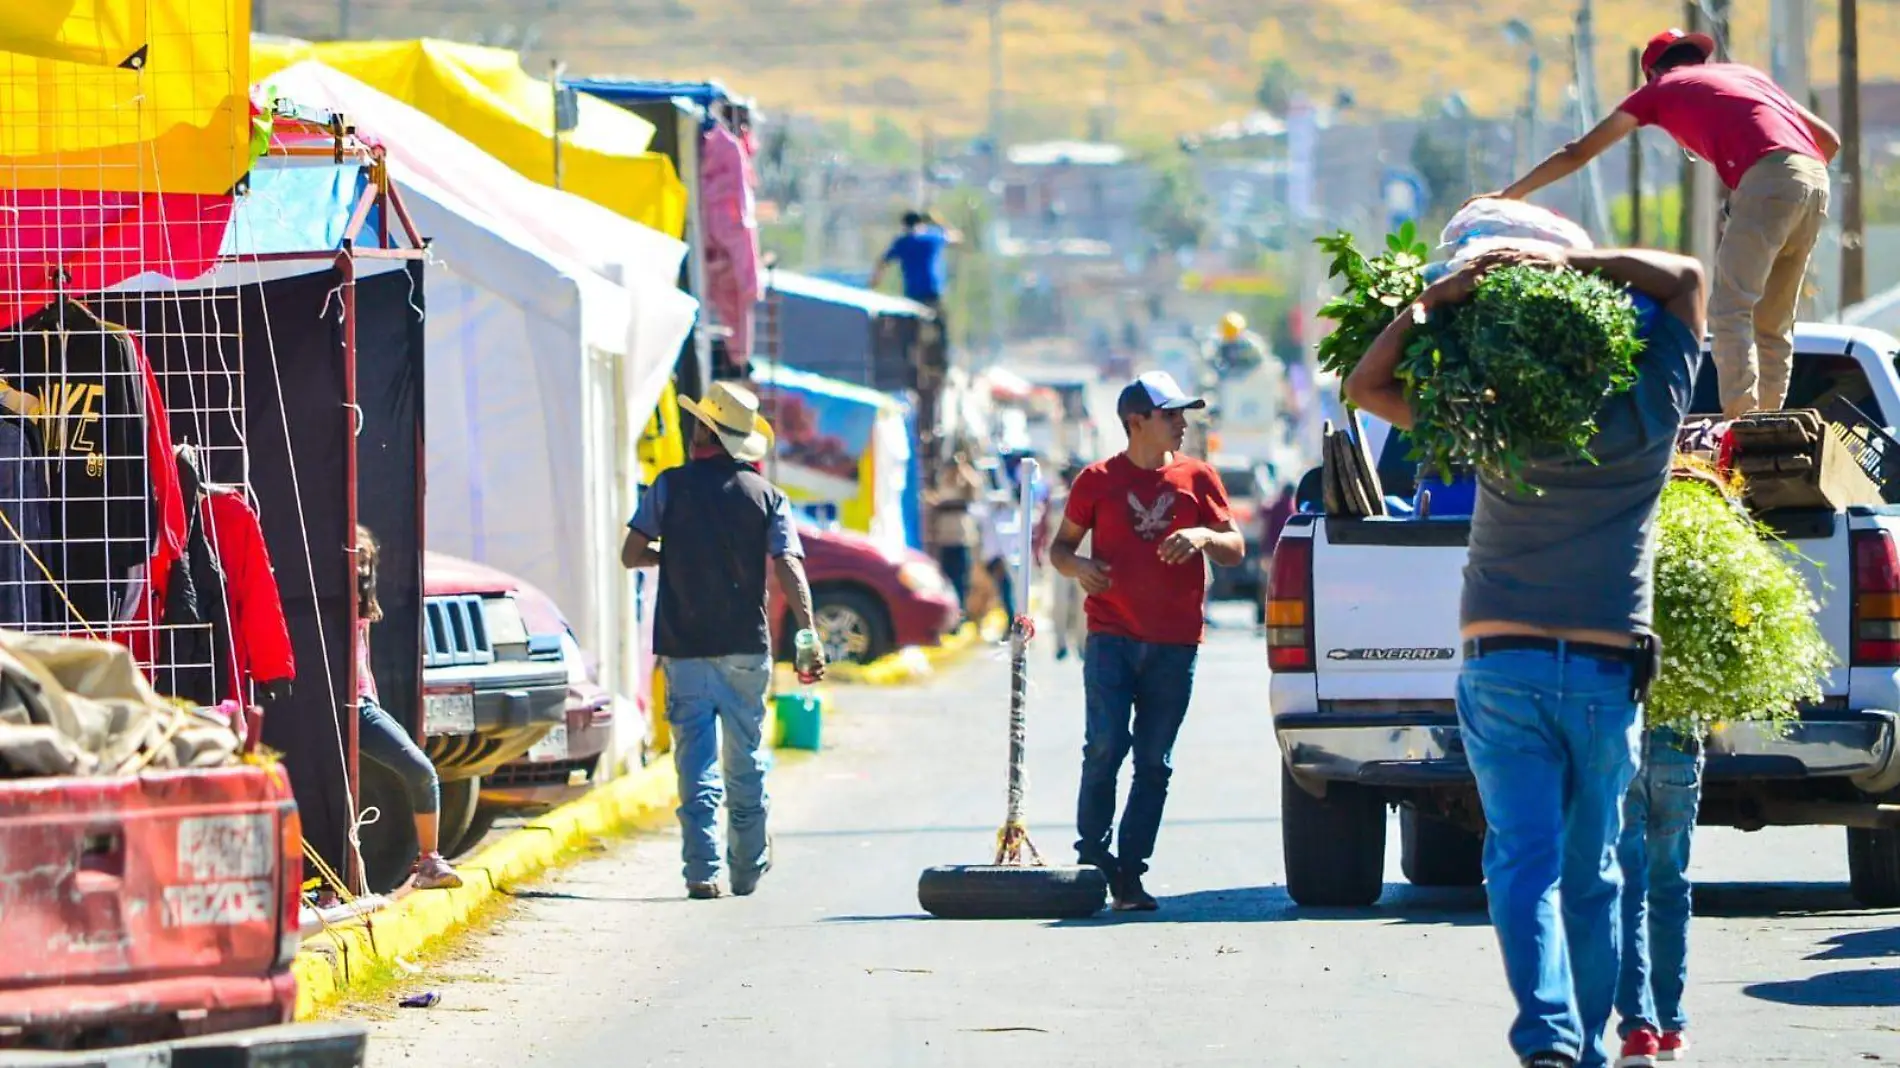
pixel 1658 823
pixel 1552 740
pixel 716 707
pixel 1154 682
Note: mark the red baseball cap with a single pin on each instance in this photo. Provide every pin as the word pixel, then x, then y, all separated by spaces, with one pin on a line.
pixel 1668 39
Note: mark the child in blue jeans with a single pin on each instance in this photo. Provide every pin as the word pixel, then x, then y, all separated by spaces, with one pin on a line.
pixel 1659 815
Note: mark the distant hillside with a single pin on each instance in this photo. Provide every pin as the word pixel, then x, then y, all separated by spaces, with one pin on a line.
pixel 1167 66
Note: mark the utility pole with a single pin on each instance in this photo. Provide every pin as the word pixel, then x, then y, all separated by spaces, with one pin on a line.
pixel 998 156
pixel 556 70
pixel 1636 159
pixel 259 13
pixel 1853 220
pixel 342 20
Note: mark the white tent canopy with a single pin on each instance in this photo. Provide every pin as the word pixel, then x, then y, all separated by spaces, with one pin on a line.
pixel 541 369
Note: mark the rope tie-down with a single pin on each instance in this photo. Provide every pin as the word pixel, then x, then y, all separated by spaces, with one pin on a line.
pixel 1018 883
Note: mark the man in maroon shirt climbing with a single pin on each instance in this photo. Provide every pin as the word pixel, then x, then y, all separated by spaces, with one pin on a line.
pixel 1772 154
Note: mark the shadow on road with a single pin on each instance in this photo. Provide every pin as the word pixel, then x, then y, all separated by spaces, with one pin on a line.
pixel 1867 988
pixel 1744 900
pixel 1861 945
pixel 557 895
pixel 1270 904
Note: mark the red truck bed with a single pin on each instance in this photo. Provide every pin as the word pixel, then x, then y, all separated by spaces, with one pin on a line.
pixel 146 908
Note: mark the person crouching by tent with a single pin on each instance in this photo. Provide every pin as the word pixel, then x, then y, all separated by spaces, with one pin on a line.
pixel 709 527
pixel 382 740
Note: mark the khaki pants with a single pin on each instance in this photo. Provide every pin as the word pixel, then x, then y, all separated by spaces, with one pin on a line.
pixel 1774 217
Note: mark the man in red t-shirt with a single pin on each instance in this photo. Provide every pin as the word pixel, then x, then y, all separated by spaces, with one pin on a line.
pixel 1153 514
pixel 1772 154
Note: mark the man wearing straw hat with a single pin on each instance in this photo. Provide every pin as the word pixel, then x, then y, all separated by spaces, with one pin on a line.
pixel 710 526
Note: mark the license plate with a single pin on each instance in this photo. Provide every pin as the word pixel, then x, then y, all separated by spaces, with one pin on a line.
pixel 448 713
pixel 552 747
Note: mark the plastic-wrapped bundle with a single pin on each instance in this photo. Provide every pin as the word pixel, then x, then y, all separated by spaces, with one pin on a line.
pixel 1491 223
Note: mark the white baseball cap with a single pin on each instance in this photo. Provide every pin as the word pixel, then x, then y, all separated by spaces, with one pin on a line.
pixel 1155 391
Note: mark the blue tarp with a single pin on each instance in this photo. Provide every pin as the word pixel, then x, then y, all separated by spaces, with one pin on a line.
pixel 299 208
pixel 624 91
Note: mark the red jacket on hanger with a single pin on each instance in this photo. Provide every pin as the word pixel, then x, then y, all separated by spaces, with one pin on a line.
pixel 260 638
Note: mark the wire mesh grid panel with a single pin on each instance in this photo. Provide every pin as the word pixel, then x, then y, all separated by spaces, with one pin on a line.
pixel 123 141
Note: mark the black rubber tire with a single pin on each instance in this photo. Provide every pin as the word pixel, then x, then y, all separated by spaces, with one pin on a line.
pixel 1334 849
pixel 389 844
pixel 877 622
pixel 993 892
pixel 480 825
pixel 1873 867
pixel 460 799
pixel 1433 852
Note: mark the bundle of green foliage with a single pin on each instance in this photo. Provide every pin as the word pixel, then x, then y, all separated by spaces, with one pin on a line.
pixel 1737 622
pixel 1376 290
pixel 1516 371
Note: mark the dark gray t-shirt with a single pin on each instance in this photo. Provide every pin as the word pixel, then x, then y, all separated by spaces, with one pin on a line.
pixel 1582 556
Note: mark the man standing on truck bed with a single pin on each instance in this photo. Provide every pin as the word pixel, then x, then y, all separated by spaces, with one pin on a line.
pixel 1772 154
pixel 1559 651
pixel 710 526
pixel 1153 513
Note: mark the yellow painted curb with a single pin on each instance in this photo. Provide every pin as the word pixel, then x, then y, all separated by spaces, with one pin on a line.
pixel 918 662
pixel 330 964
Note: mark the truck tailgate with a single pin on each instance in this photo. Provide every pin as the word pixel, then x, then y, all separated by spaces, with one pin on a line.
pixel 1385 608
pixel 1386 596
pixel 141 878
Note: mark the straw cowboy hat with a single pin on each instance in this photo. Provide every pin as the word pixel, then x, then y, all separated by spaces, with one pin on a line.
pixel 732 413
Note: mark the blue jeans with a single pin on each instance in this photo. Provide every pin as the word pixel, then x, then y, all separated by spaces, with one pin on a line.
pixel 1658 824
pixel 1552 741
pixel 384 741
pixel 706 699
pixel 1155 682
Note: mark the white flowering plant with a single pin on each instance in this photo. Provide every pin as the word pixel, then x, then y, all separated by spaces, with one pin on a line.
pixel 1740 639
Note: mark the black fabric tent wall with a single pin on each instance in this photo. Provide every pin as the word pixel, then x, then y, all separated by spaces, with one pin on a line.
pixel 289 339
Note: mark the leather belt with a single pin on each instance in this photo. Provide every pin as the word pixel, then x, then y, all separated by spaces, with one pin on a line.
pixel 1622 654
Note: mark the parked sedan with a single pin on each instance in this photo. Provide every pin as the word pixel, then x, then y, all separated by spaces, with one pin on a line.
pixel 868 601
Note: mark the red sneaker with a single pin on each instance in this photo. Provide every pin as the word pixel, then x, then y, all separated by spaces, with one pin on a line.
pixel 1674 1047
pixel 1639 1049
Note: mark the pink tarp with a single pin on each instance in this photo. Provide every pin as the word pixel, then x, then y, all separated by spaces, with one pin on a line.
pixel 55 241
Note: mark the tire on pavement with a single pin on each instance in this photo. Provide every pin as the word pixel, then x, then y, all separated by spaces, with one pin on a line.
pixel 389 844
pixel 1434 852
pixel 1334 848
pixel 1011 892
pixel 1873 867
pixel 460 797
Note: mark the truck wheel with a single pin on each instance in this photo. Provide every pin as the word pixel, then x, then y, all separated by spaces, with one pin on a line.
pixel 1434 852
pixel 389 844
pixel 1873 867
pixel 460 797
pixel 1011 892
pixel 1334 848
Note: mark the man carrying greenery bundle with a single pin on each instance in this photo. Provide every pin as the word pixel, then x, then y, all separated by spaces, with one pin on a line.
pixel 1557 620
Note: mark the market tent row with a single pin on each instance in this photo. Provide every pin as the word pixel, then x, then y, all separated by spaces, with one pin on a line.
pixel 541 371
pixel 484 95
pixel 304 348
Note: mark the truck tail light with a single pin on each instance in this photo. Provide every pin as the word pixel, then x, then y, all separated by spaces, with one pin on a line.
pixel 1290 606
pixel 290 930
pixel 1876 600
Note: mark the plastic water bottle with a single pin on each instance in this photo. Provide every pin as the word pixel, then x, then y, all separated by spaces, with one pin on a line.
pixel 805 656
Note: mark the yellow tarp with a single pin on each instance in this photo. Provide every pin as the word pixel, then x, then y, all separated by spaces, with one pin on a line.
pixel 484 95
pixel 178 123
pixel 101 33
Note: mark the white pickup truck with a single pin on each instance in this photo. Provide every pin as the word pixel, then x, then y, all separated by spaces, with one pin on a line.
pixel 1363 643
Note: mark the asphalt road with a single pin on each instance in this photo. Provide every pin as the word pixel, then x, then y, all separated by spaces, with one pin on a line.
pixel 833 964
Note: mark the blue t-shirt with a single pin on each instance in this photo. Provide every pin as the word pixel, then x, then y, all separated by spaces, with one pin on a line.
pixel 920 255
pixel 1582 554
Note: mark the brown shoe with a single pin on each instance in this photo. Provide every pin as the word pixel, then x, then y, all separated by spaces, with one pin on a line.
pixel 703 891
pixel 434 873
